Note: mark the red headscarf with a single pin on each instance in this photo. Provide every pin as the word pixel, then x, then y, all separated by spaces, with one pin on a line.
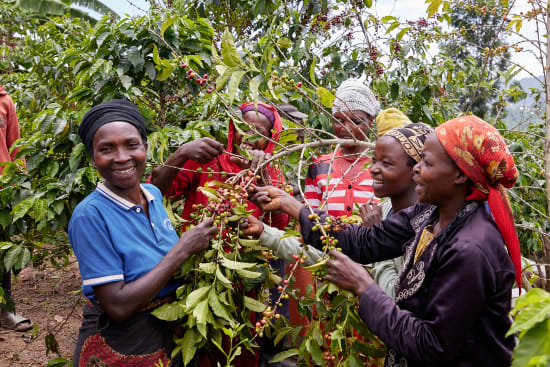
pixel 225 161
pixel 481 153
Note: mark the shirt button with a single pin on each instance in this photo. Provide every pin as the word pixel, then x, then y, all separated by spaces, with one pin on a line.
pixel 138 210
pixel 153 225
pixel 349 208
pixel 349 186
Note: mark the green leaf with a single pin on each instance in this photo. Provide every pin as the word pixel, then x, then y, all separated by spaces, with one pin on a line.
pixel 5 218
pixel 211 194
pixel 169 311
pixel 135 57
pixel 126 81
pixel 249 243
pixel 76 156
pixel 233 84
pixel 284 42
pixel 393 26
pixel 533 296
pixel 253 305
pixel 209 268
pixel 151 70
pixel 433 7
pixel 402 33
pixel 217 307
pixel 22 208
pixel 280 334
pixel 248 274
pixel 254 88
pixel 40 208
pixel 23 260
pixel 196 296
pixel 236 265
pixel 530 316
pixel 229 51
pixel 188 345
pixel 200 312
pixel 167 23
pixel 326 96
pixel 535 342
pixel 11 257
pixel 368 3
pixel 222 279
pixel 367 349
pixel 284 355
pixel 316 353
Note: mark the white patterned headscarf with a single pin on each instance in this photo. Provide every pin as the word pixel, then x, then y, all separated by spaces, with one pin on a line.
pixel 353 95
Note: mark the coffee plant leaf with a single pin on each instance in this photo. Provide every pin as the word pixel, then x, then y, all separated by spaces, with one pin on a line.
pixel 279 357
pixel 196 296
pixel 170 311
pixel 209 268
pixel 248 274
pixel 253 305
pixel 236 265
pixel 223 279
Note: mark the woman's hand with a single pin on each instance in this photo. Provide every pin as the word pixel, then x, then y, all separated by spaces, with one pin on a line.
pixel 258 157
pixel 197 238
pixel 371 213
pixel 347 274
pixel 271 199
pixel 252 226
pixel 202 150
pixel 268 198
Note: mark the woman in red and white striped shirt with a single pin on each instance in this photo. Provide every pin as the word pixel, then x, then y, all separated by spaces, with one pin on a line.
pixel 338 181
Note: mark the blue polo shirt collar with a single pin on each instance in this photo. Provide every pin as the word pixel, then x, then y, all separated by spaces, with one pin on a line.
pixel 120 201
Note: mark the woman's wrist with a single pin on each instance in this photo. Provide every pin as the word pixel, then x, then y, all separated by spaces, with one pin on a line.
pixel 291 206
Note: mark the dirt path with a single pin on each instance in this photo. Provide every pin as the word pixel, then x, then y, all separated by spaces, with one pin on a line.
pixel 50 298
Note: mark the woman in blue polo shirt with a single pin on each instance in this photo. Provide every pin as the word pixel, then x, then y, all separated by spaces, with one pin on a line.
pixel 126 246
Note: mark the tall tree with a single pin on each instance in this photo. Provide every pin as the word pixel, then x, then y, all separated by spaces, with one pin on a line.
pixel 64 7
pixel 479 24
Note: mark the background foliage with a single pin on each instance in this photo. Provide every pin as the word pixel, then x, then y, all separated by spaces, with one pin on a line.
pixel 187 64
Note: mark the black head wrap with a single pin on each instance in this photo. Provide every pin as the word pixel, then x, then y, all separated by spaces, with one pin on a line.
pixel 110 111
pixel 412 138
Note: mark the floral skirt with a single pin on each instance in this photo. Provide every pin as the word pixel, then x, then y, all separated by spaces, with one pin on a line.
pixel 141 340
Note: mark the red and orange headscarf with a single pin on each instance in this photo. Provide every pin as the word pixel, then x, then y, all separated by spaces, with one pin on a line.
pixel 481 153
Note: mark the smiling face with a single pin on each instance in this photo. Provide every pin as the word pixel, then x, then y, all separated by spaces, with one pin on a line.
pixel 352 124
pixel 262 124
pixel 391 169
pixel 119 155
pixel 436 175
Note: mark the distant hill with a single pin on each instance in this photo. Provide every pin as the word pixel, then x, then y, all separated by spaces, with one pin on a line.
pixel 524 111
pixel 528 84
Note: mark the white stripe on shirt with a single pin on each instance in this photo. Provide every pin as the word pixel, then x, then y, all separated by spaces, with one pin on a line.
pixel 312 188
pixel 363 194
pixel 101 280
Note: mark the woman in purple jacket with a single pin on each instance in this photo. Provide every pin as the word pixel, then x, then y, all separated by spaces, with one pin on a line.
pixel 454 292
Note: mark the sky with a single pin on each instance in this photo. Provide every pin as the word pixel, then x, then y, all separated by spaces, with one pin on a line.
pixel 402 9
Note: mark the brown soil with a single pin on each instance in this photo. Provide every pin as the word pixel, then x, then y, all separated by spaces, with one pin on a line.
pixel 50 298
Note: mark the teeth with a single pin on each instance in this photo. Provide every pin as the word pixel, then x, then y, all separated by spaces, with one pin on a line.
pixel 377 181
pixel 125 171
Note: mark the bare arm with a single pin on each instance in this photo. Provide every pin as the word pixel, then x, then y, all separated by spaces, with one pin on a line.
pixel 271 199
pixel 202 150
pixel 120 300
